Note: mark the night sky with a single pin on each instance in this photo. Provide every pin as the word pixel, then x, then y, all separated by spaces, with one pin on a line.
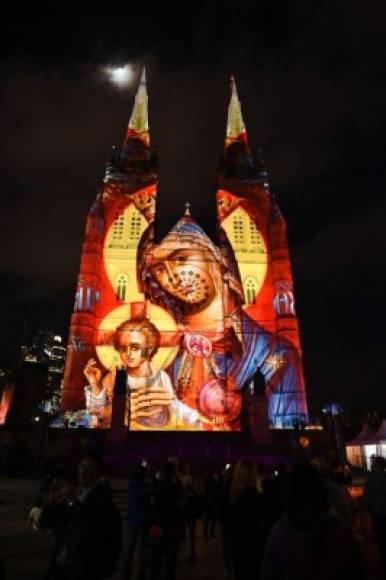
pixel 311 77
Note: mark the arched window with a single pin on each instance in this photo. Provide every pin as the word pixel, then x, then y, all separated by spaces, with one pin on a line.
pixel 79 298
pixel 238 229
pixel 251 289
pixel 121 287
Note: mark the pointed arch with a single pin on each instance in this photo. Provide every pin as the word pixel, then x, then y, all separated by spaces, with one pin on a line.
pixel 121 286
pixel 251 286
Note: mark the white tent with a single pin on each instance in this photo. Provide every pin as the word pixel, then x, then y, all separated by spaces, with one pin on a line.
pixel 366 444
pixel 355 449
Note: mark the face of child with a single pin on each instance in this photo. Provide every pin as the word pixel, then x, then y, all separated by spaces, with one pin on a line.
pixel 133 348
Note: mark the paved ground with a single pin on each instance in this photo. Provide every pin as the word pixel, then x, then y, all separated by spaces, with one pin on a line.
pixel 25 553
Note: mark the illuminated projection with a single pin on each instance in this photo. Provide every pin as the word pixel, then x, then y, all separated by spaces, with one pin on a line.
pixel 192 322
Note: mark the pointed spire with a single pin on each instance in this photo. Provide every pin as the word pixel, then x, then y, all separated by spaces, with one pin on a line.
pixel 236 130
pixel 138 127
pixel 111 165
pixel 187 208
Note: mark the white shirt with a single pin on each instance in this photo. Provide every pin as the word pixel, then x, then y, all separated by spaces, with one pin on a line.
pixel 179 412
pixel 95 401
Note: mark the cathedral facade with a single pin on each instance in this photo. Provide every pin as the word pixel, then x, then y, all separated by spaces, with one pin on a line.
pixel 194 323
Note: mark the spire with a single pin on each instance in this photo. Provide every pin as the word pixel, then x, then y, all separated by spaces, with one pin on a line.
pixel 187 208
pixel 111 164
pixel 236 130
pixel 138 127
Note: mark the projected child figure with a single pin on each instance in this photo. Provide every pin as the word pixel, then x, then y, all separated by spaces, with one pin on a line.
pixel 151 401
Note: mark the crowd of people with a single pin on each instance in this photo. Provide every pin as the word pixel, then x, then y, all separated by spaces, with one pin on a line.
pixel 295 523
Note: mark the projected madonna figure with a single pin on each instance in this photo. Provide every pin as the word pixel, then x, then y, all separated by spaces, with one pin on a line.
pixel 220 347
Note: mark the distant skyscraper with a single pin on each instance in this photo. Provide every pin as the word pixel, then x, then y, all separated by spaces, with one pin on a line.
pixel 193 322
pixel 47 349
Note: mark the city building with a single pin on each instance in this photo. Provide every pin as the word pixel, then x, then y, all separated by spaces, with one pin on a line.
pixel 48 351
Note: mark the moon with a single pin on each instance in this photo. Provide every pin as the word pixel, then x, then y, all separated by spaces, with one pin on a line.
pixel 121 76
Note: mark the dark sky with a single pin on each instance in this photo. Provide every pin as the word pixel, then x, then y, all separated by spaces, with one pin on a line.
pixel 312 80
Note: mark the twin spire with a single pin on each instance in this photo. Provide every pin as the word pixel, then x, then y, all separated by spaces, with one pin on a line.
pixel 235 130
pixel 138 127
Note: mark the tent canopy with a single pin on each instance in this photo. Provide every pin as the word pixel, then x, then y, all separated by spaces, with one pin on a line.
pixel 380 435
pixel 364 437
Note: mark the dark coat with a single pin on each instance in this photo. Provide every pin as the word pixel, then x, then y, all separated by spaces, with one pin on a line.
pixel 245 528
pixel 94 538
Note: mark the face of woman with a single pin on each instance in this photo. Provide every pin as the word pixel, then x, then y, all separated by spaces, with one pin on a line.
pixel 186 274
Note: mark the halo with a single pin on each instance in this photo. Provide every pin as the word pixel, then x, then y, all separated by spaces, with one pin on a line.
pixel 161 319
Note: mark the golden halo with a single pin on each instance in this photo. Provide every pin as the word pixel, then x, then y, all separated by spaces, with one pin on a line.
pixel 161 319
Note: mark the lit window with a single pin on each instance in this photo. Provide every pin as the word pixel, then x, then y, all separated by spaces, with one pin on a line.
pixel 254 234
pixel 135 228
pixel 251 289
pixel 238 230
pixel 118 227
pixel 121 287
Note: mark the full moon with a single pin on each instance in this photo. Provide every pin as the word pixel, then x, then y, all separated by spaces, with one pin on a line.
pixel 120 75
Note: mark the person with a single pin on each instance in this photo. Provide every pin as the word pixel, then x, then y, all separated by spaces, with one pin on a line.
pixel 307 541
pixel 273 507
pixel 56 516
pixel 151 401
pixel 90 530
pixel 138 521
pixel 245 522
pixel 220 346
pixel 375 499
pixel 94 538
pixel 192 508
pixel 339 501
pixel 212 491
pixel 166 525
pixel 224 513
pixel 34 515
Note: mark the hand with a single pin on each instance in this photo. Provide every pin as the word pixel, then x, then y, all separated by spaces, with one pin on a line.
pixel 147 402
pixel 93 373
pixel 109 382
